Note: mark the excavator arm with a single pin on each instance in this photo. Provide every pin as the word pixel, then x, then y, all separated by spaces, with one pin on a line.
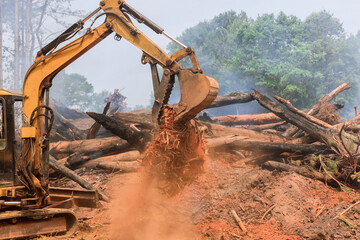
pixel 197 90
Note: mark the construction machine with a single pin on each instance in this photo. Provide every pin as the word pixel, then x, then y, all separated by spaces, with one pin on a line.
pixel 29 206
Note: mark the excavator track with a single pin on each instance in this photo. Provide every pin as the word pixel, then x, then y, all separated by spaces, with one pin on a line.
pixel 36 222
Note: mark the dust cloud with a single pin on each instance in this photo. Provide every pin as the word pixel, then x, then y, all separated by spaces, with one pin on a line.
pixel 141 212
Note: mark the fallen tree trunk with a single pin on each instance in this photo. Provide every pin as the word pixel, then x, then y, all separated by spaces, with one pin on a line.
pixel 142 118
pixel 132 136
pixel 326 99
pixel 73 158
pixel 122 157
pixel 89 145
pixel 119 166
pixel 264 126
pixel 247 119
pixel 288 104
pixel 258 146
pixel 299 170
pixel 221 141
pixel 327 135
pixel 231 98
pixel 54 164
pixel 225 131
pixel 64 129
pixel 96 126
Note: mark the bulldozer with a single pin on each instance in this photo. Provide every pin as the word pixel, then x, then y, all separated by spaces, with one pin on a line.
pixel 29 206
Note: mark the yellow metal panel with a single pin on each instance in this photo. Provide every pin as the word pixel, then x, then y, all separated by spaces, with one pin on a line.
pixel 10 191
pixel 12 93
pixel 28 132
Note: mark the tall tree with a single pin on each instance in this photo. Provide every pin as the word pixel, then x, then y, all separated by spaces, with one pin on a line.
pixel 32 23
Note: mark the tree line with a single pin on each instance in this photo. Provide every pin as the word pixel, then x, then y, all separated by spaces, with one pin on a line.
pixel 300 60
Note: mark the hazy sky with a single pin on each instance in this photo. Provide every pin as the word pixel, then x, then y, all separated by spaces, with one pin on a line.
pixel 114 64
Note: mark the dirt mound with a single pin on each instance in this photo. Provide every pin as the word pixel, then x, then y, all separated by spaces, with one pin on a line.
pixel 272 205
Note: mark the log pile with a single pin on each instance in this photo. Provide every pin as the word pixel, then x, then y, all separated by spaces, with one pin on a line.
pixel 285 138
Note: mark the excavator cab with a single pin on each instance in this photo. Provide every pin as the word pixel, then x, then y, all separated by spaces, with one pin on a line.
pixel 19 215
pixel 7 138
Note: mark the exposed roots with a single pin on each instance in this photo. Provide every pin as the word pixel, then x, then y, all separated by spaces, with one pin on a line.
pixel 328 113
pixel 176 155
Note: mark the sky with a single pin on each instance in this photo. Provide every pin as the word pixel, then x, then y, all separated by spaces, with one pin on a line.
pixel 112 64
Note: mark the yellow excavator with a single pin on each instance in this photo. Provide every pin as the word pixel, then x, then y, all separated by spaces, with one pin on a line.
pixel 29 206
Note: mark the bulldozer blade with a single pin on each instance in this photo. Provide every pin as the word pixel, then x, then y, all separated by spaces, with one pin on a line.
pixel 31 223
pixel 198 91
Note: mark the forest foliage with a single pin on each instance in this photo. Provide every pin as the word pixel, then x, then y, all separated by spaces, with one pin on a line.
pixel 281 54
pixel 300 60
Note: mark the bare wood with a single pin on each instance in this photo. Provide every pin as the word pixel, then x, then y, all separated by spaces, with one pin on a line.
pixel 262 127
pixel 119 166
pixel 66 127
pixel 141 118
pixel 328 136
pixel 65 159
pixel 269 210
pixel 288 104
pixel 221 141
pixel 319 212
pixel 77 158
pixel 54 164
pixel 231 98
pixel 121 157
pixel 347 221
pixel 236 142
pixel 224 131
pixel 96 126
pixel 247 119
pixel 299 170
pixel 277 147
pixel 239 221
pixel 327 98
pixel 133 137
pixel 353 205
pixel 89 145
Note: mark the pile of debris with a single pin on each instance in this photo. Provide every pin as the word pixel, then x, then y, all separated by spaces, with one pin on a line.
pixel 315 143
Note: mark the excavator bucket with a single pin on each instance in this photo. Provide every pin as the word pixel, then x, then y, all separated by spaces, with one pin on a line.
pixel 198 91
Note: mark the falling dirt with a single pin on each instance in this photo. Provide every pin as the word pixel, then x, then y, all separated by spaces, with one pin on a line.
pixel 175 156
pixel 147 209
pixel 141 212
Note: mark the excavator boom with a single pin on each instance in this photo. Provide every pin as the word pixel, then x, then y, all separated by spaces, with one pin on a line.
pixel 32 165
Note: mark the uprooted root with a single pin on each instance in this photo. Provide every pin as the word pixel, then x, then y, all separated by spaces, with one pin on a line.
pixel 328 113
pixel 176 155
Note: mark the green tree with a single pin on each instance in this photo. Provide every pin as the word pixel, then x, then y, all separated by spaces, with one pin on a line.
pixel 282 55
pixel 73 90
